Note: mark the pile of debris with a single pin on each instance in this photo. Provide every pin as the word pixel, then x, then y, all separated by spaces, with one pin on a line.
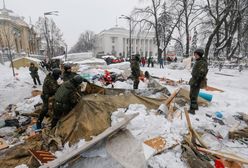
pixel 91 120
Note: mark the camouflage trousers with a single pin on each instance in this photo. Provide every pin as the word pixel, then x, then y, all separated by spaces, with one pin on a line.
pixel 59 111
pixel 193 95
pixel 44 109
pixel 136 83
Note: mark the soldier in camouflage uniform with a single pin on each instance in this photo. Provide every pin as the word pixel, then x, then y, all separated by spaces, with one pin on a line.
pixel 50 87
pixel 34 73
pixel 68 74
pixel 135 68
pixel 198 79
pixel 66 97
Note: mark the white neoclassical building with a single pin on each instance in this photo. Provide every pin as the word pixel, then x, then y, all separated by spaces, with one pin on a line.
pixel 115 41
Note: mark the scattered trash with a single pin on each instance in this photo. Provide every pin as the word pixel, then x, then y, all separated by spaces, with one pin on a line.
pixel 219 121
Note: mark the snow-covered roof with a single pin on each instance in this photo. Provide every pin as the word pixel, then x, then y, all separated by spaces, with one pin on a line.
pixel 92 61
pixel 109 56
pixel 30 58
pixel 75 57
pixel 9 15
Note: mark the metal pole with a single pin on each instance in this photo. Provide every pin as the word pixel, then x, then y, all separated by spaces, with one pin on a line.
pixel 47 40
pixel 65 52
pixel 130 38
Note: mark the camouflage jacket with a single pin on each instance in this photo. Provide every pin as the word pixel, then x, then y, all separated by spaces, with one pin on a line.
pixel 50 85
pixel 68 75
pixel 135 68
pixel 33 71
pixel 68 95
pixel 199 72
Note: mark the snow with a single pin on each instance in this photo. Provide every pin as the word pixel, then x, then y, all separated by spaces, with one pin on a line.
pixel 147 124
pixel 13 90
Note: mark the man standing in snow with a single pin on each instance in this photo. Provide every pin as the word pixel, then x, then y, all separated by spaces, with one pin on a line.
pixel 66 97
pixel 50 87
pixel 198 79
pixel 68 74
pixel 135 68
pixel 34 73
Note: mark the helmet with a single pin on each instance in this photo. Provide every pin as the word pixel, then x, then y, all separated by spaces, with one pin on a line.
pixel 56 73
pixel 199 51
pixel 147 75
pixel 137 57
pixel 67 66
pixel 31 63
pixel 77 80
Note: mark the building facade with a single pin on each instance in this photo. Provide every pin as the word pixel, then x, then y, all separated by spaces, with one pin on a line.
pixel 16 34
pixel 115 41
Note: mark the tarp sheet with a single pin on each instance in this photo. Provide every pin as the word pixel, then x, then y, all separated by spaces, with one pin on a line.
pixel 92 114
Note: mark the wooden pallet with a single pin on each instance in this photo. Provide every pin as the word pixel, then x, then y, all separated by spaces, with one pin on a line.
pixel 42 156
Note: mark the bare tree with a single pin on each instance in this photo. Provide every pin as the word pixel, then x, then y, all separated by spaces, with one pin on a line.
pixel 86 42
pixel 168 21
pixel 190 19
pixel 148 16
pixel 6 36
pixel 226 18
pixel 54 37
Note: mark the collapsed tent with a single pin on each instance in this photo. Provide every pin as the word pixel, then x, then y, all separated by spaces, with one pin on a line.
pixel 91 116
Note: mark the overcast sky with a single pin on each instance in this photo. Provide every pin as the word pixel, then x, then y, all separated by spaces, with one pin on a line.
pixel 76 16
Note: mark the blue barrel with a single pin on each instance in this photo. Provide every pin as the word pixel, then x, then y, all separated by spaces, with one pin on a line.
pixel 206 96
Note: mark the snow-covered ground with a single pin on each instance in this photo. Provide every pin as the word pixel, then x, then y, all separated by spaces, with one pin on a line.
pixel 148 125
pixel 14 90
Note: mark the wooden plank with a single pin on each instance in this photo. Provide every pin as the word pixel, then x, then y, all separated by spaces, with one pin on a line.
pixel 210 88
pixel 193 133
pixel 223 74
pixel 228 156
pixel 157 143
pixel 87 145
pixel 3 144
pixel 172 96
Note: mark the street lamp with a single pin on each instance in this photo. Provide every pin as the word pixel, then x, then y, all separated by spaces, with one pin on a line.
pixel 47 34
pixel 130 31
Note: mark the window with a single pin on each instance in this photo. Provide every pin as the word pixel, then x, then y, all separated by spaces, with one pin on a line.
pixel 113 39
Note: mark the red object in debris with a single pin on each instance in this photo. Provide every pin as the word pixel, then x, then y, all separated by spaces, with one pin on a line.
pixel 107 77
pixel 218 164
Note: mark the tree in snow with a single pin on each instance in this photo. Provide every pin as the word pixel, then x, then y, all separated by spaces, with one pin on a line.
pixel 53 37
pixel 178 48
pixel 194 42
pixel 5 35
pixel 225 22
pixel 167 22
pixel 190 19
pixel 86 42
pixel 149 16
